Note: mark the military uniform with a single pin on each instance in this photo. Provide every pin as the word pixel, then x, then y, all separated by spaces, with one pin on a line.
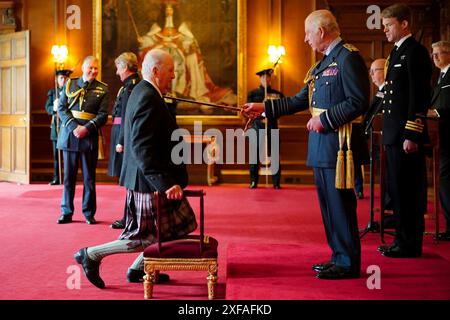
pixel 258 95
pixel 406 97
pixel 83 104
pixel 338 91
pixel 51 96
pixel 117 135
pixel 441 103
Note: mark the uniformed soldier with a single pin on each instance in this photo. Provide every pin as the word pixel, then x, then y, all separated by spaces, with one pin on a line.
pixel 83 110
pixel 337 92
pixel 407 94
pixel 440 107
pixel 127 68
pixel 51 106
pixel 259 95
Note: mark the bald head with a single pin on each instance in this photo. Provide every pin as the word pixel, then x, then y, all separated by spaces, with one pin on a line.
pixel 321 28
pixel 158 68
pixel 377 71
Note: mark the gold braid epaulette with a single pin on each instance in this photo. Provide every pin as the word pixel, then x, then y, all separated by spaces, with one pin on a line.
pixel 74 95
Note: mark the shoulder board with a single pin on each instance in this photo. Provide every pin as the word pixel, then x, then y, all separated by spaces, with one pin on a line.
pixel 102 83
pixel 350 47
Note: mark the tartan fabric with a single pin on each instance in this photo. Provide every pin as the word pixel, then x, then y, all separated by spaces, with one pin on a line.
pixel 177 217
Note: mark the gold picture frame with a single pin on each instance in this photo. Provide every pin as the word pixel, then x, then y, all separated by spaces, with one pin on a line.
pixel 99 7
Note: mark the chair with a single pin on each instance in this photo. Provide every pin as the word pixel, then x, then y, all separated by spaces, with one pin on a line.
pixel 190 253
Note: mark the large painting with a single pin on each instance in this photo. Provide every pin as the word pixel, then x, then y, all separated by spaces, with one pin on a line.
pixel 201 35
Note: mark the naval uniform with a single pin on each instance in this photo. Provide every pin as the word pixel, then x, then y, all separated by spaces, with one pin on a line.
pixel 117 135
pixel 83 104
pixel 407 95
pixel 258 95
pixel 441 103
pixel 338 88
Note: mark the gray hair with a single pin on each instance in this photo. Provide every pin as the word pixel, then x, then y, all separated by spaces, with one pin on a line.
pixel 442 44
pixel 87 60
pixel 323 19
pixel 128 59
pixel 153 58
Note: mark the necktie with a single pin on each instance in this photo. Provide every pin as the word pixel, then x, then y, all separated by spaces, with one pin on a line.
pixel 441 77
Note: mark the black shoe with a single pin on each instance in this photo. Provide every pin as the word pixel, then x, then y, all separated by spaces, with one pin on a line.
pixel 359 195
pixel 54 182
pixel 91 220
pixel 276 186
pixel 322 266
pixel 91 268
pixel 397 252
pixel 336 273
pixel 385 248
pixel 138 276
pixel 253 185
pixel 64 218
pixel 444 236
pixel 118 225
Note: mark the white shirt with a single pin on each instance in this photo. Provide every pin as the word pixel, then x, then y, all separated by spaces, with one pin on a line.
pixel 399 42
pixel 332 45
pixel 445 69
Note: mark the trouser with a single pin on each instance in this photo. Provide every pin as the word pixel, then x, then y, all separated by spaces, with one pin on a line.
pixel 88 164
pixel 338 207
pixel 444 182
pixel 408 191
pixel 55 162
pixel 359 180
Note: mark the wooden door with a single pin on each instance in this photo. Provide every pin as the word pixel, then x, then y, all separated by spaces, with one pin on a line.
pixel 15 107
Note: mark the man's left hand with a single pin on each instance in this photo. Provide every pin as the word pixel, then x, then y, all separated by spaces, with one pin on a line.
pixel 410 146
pixel 80 132
pixel 174 193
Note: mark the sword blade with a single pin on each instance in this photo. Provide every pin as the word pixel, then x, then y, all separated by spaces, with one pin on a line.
pixel 205 103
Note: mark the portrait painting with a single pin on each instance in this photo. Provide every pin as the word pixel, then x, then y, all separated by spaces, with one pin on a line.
pixel 200 35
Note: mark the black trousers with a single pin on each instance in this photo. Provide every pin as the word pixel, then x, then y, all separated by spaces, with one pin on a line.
pixel 55 162
pixel 88 165
pixel 444 179
pixel 407 184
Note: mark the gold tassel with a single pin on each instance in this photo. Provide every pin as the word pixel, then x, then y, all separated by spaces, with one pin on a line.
pixel 340 171
pixel 101 146
pixel 350 171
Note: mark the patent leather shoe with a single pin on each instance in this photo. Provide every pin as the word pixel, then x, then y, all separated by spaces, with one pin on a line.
pixel 359 195
pixel 118 225
pixel 64 219
pixel 91 268
pixel 336 273
pixel 444 236
pixel 385 247
pixel 138 276
pixel 253 185
pixel 54 182
pixel 322 266
pixel 91 220
pixel 276 186
pixel 397 252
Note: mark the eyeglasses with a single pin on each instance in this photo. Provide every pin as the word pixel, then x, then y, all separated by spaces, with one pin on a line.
pixel 372 71
pixel 434 54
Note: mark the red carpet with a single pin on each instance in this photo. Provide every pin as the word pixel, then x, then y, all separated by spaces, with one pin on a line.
pixel 268 241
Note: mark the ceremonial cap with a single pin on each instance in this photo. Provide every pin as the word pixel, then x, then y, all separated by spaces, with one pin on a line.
pixel 265 71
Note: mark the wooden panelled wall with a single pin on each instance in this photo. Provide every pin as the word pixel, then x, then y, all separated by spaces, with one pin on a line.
pixel 268 22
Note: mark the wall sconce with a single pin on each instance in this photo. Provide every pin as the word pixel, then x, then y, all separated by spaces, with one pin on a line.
pixel 275 54
pixel 60 54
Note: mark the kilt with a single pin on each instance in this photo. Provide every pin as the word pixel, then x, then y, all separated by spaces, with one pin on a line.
pixel 177 217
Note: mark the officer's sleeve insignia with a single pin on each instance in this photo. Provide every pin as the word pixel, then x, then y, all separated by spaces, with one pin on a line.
pixel 350 47
pixel 103 83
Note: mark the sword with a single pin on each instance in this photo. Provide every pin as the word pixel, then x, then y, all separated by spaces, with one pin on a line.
pixel 220 106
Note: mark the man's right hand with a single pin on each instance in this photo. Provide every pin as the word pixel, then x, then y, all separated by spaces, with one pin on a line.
pixel 174 193
pixel 119 148
pixel 55 105
pixel 253 110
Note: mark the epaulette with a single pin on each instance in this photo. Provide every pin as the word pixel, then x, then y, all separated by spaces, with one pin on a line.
pixel 350 47
pixel 102 83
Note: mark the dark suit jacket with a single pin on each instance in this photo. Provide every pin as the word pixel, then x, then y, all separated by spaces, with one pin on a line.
pixel 441 102
pixel 95 102
pixel 148 126
pixel 407 94
pixel 341 86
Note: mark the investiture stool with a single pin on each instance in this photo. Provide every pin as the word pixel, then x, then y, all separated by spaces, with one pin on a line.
pixel 83 110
